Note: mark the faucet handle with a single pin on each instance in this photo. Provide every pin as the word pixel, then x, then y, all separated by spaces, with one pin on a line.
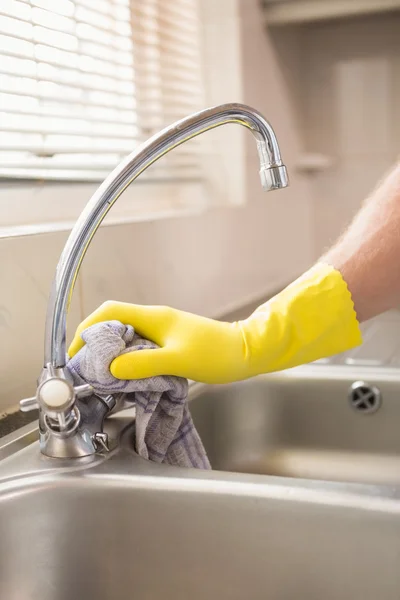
pixel 83 391
pixel 28 404
pixel 100 441
pixel 55 395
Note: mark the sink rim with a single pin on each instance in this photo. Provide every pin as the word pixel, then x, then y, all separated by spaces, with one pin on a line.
pixel 21 462
pixel 27 470
pixel 19 438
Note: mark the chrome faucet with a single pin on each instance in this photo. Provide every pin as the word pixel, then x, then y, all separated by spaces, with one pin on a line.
pixel 71 417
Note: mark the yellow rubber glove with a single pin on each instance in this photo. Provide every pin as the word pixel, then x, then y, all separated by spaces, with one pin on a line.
pixel 312 318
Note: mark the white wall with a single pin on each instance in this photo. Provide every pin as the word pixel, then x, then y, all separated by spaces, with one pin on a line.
pixel 206 264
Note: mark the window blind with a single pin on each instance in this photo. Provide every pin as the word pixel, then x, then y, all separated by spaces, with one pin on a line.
pixel 83 82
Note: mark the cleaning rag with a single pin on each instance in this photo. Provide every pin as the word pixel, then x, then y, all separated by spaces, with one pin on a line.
pixel 165 432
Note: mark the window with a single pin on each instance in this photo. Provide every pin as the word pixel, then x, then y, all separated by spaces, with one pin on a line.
pixel 84 81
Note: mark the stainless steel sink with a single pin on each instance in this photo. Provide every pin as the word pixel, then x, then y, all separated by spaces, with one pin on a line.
pixel 333 423
pixel 117 527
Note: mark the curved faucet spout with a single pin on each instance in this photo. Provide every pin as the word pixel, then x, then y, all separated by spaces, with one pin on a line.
pixel 272 172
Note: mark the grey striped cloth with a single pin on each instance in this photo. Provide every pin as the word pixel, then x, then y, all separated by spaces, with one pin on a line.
pixel 165 432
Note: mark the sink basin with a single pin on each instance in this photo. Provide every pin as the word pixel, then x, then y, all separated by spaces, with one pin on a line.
pixel 306 423
pixel 117 527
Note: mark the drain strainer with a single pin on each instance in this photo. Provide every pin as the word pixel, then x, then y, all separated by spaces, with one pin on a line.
pixel 364 397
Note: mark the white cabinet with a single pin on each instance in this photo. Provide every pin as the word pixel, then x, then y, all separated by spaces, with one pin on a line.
pixel 285 12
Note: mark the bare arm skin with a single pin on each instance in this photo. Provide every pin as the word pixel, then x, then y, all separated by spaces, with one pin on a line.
pixel 368 254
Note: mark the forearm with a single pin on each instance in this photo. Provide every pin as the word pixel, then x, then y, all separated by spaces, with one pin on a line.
pixel 368 254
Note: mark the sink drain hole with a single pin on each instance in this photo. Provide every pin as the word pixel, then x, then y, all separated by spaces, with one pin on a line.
pixel 365 398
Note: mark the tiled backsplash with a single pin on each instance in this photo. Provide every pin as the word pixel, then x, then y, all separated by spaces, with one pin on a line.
pixel 27 266
pixel 350 98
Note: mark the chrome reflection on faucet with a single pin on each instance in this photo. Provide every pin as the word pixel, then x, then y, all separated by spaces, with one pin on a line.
pixel 71 418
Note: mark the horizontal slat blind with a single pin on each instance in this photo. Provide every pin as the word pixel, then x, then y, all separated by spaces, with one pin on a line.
pixel 83 82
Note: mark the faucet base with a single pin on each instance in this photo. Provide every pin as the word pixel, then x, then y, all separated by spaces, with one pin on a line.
pixel 80 444
pixel 85 438
pixel 72 427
